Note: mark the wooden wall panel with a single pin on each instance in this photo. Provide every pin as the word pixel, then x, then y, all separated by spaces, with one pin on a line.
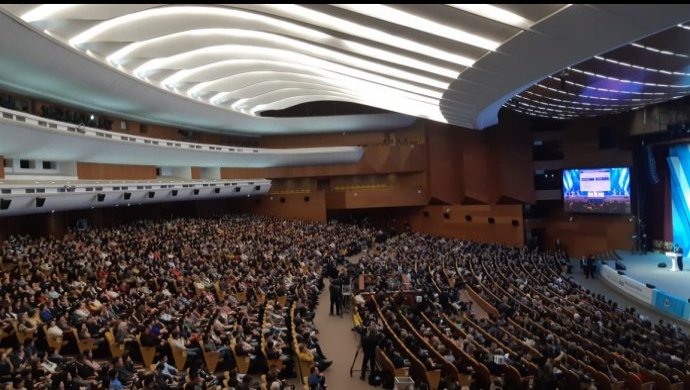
pixel 478 229
pixel 196 173
pixel 376 159
pixel 412 134
pixel 511 152
pixel 445 164
pixel 294 207
pixel 93 171
pixel 394 197
pixel 2 167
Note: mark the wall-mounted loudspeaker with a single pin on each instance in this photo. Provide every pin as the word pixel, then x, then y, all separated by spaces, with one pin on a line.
pixel 101 197
pixel 650 285
pixel 492 220
pixel 425 213
pixel 282 200
pixel 515 222
pixel 196 191
pixel 257 188
pixel 5 204
pixel 151 194
pixel 174 192
pixel 128 195
pixel 237 189
pixel 446 214
pixel 216 190
pixel 468 218
pixel 306 199
pixel 40 202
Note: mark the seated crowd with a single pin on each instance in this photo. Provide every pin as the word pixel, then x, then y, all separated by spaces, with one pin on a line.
pixel 535 328
pixel 165 304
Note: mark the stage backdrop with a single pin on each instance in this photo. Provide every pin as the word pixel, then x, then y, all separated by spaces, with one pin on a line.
pixel 679 166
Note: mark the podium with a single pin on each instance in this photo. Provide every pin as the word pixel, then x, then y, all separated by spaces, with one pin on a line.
pixel 674 262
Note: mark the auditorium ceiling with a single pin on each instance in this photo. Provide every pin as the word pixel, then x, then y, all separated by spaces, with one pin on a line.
pixel 648 71
pixel 219 67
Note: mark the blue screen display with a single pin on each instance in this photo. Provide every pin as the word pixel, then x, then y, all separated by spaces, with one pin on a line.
pixel 602 190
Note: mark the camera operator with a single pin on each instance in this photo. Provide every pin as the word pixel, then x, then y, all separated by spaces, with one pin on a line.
pixel 369 342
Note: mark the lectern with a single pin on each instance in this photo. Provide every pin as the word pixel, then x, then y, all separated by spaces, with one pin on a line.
pixel 674 262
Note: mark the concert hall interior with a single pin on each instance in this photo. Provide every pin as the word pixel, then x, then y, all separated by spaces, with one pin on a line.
pixel 344 196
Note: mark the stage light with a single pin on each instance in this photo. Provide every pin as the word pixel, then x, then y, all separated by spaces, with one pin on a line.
pixel 196 191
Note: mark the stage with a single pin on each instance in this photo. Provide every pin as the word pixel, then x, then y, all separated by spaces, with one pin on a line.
pixel 643 268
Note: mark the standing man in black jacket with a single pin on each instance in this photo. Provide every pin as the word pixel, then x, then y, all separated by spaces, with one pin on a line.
pixel 336 295
pixel 369 343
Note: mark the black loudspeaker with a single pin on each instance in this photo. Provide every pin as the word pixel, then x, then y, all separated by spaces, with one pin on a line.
pixel 446 215
pixel 101 197
pixel 607 138
pixel 425 213
pixel 621 273
pixel 128 195
pixel 468 218
pixel 237 189
pixel 306 199
pixel 515 222
pixel 174 192
pixel 196 191
pixel 620 266
pixel 257 188
pixel 661 265
pixel 652 173
pixel 650 285
pixel 5 204
pixel 492 220
pixel 216 190
pixel 151 194
pixel 282 200
pixel 40 202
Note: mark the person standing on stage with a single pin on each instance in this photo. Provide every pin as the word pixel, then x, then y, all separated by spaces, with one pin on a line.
pixel 589 267
pixel 679 259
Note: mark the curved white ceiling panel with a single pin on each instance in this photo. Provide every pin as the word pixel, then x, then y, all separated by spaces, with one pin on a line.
pixel 456 63
pixel 31 137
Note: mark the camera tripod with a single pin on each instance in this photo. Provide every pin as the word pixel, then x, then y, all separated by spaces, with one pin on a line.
pixel 352 367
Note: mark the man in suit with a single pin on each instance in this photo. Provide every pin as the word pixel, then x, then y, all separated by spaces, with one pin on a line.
pixel 679 258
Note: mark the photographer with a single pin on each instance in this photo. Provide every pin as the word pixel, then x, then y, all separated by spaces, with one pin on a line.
pixel 369 342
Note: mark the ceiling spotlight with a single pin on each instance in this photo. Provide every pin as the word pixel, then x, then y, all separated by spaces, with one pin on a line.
pixel 92 117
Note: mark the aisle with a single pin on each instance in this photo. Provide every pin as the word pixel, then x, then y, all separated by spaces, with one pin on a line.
pixel 339 344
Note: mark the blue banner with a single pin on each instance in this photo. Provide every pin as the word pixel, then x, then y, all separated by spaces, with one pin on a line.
pixel 670 304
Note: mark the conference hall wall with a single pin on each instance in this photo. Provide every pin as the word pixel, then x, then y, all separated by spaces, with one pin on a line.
pixel 581 234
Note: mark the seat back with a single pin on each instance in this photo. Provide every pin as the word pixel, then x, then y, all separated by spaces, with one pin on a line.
pixel 54 342
pixel 242 362
pixel 147 353
pixel 211 358
pixel 116 350
pixel 83 345
pixel 179 355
